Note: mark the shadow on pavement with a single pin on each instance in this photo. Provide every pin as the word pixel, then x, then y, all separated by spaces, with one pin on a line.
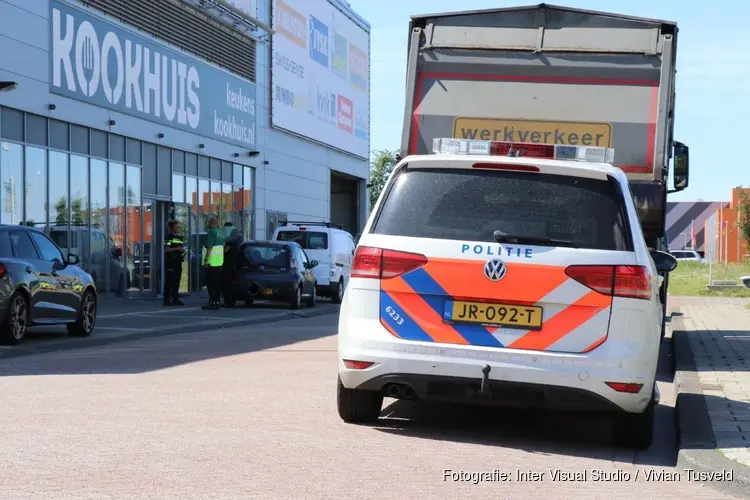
pixel 160 352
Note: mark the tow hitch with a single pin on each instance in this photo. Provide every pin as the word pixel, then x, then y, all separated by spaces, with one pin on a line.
pixel 485 387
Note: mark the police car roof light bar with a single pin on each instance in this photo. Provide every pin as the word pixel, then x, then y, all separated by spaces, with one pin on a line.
pixel 443 145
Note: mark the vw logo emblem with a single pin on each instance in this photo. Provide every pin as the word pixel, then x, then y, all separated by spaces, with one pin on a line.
pixel 494 270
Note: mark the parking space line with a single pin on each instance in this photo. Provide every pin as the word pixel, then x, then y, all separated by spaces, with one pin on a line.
pixel 143 313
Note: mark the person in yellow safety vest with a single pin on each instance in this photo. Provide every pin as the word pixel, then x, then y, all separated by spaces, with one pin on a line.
pixel 213 260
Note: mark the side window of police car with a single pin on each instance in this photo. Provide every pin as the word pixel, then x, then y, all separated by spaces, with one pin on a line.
pixel 469 204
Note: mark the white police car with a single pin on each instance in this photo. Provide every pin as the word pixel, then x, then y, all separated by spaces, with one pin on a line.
pixel 504 274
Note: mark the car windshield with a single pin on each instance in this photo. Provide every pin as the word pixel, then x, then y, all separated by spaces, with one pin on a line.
pixel 261 257
pixel 312 240
pixel 483 205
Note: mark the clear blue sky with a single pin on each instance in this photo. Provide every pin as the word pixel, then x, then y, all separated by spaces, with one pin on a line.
pixel 713 90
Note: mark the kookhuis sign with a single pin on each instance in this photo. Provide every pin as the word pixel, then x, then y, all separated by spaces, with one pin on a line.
pixel 540 132
pixel 102 64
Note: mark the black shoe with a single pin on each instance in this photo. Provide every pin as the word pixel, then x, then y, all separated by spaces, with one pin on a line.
pixel 167 303
pixel 178 302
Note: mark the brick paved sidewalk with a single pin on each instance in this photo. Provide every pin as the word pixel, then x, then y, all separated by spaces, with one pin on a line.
pixel 719 334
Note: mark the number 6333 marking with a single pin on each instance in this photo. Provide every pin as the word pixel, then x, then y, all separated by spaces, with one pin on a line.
pixel 393 314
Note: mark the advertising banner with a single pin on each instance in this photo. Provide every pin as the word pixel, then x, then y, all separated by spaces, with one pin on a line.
pixel 105 65
pixel 321 75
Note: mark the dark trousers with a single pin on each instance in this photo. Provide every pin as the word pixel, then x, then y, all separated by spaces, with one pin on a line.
pixel 213 283
pixel 172 277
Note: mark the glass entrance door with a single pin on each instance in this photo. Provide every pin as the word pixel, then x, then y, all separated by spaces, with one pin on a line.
pixel 181 213
pixel 154 227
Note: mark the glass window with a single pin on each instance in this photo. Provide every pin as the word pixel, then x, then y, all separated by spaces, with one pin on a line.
pixel 116 219
pixel 47 249
pixel 22 245
pixel 215 169
pixel 6 251
pixel 11 124
pixel 79 211
pixel 134 223
pixel 204 169
pixel 226 172
pixel 178 161
pixel 36 188
pixel 307 240
pixel 116 147
pixel 99 145
pixel 58 189
pixel 178 188
pixel 237 208
pixel 191 195
pixel 79 140
pixel 133 152
pixel 98 222
pixel 205 208
pixel 473 204
pixel 272 258
pixel 237 174
pixel 191 164
pixel 58 135
pixel 149 168
pixel 36 129
pixel 164 172
pixel 247 202
pixel 226 204
pixel 11 175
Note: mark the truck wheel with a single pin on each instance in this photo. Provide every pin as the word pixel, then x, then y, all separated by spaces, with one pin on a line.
pixel 358 407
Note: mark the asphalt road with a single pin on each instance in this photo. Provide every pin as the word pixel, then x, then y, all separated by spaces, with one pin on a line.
pixel 250 413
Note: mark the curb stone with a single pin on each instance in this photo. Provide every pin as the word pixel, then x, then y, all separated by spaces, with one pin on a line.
pixel 696 441
pixel 93 341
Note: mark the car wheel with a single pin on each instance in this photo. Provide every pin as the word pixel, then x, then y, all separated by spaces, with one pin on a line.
pixel 249 302
pixel 337 292
pixel 313 297
pixel 84 325
pixel 357 406
pixel 296 301
pixel 16 321
pixel 635 430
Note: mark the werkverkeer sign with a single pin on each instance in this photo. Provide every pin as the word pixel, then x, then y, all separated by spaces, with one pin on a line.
pixel 102 64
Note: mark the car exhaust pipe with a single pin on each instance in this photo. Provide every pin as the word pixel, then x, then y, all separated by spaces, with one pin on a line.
pixel 407 392
pixel 394 390
pixel 253 289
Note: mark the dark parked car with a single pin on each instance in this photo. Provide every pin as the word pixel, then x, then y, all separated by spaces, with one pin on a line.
pixel 40 286
pixel 272 270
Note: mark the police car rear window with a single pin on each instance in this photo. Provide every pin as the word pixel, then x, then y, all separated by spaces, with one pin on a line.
pixel 473 204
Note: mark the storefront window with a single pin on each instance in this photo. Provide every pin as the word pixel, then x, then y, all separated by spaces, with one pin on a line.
pixel 121 261
pixel 79 209
pixel 205 206
pixel 59 218
pixel 247 202
pixel 98 235
pixel 216 200
pixel 36 188
pixel 11 175
pixel 191 196
pixel 134 221
pixel 178 188
pixel 226 204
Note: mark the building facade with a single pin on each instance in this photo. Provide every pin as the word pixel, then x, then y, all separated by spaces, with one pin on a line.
pixel 127 114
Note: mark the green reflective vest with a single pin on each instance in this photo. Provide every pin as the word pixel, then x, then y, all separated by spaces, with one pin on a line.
pixel 216 243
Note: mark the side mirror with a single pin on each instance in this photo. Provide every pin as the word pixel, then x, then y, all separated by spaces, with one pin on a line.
pixel 665 262
pixel 73 259
pixel 313 263
pixel 681 166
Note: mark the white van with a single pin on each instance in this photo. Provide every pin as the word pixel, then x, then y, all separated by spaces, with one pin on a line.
pixel 331 246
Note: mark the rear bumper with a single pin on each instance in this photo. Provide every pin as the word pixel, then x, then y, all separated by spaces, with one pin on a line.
pixel 516 379
pixel 496 393
pixel 263 290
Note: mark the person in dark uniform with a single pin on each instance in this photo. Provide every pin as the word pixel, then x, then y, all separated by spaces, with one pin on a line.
pixel 232 241
pixel 174 253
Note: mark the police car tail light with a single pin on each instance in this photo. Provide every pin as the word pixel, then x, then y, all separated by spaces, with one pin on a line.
pixel 617 281
pixel 443 145
pixel 377 263
pixel 357 365
pixel 632 282
pixel 625 387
